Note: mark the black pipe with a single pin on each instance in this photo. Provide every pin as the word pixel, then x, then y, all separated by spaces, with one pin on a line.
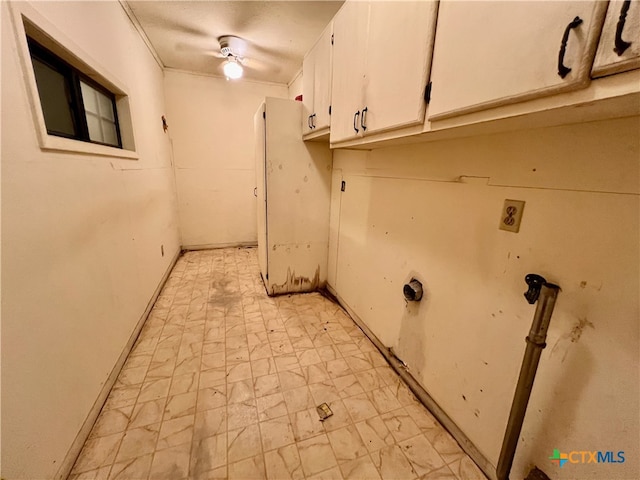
pixel 546 294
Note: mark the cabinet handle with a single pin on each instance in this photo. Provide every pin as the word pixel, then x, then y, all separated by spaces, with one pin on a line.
pixel 363 118
pixel 255 192
pixel 562 70
pixel 313 121
pixel 355 121
pixel 621 45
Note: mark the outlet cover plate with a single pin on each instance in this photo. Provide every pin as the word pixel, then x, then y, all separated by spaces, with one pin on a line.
pixel 511 215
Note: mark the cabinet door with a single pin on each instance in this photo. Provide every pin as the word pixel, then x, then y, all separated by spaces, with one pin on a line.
pixel 488 54
pixel 349 52
pixel 322 81
pixel 308 81
pixel 399 52
pixel 619 47
pixel 259 129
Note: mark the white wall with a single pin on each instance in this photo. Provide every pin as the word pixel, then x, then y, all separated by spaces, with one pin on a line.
pixel 81 243
pixel 295 86
pixel 405 212
pixel 211 129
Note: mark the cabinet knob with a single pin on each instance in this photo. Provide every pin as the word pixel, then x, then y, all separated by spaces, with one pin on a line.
pixel 621 45
pixel 563 71
pixel 355 121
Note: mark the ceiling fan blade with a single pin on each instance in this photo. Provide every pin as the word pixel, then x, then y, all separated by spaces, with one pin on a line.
pixel 255 64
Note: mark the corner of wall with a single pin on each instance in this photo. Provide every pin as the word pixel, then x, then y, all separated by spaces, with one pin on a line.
pixel 295 85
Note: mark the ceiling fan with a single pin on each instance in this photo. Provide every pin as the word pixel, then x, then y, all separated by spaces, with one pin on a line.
pixel 246 57
pixel 232 49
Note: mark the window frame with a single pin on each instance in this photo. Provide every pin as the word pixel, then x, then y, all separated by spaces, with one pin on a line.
pixel 26 21
pixel 73 76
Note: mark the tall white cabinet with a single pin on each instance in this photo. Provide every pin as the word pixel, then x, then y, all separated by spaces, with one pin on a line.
pixel 293 188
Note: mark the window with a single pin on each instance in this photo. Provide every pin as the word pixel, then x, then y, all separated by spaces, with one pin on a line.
pixel 74 106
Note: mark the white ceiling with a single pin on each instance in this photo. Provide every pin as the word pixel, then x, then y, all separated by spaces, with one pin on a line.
pixel 277 33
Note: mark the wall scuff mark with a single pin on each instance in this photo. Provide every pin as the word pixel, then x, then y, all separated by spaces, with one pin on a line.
pixel 571 337
pixel 297 284
pixel 402 363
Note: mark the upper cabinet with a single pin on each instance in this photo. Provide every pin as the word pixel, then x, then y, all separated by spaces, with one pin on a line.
pixel 349 48
pixel 381 60
pixel 619 47
pixel 316 86
pixel 489 65
pixel 489 54
pixel 308 81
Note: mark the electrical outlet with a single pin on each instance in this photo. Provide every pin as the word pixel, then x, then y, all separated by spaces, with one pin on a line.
pixel 511 215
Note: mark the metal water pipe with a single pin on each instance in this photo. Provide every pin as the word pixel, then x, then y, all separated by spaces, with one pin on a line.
pixel 545 294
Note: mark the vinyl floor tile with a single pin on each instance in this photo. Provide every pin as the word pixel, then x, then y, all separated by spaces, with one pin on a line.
pixel 224 381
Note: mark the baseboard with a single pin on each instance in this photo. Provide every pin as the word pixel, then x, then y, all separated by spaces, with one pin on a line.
pixel 470 449
pixel 212 246
pixel 76 447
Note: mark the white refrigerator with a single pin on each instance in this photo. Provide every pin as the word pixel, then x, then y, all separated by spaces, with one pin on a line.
pixel 293 188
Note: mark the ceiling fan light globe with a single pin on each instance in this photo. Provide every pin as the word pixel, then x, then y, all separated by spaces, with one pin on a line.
pixel 232 70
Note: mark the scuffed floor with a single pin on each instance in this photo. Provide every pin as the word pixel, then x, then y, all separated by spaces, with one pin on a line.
pixel 223 383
